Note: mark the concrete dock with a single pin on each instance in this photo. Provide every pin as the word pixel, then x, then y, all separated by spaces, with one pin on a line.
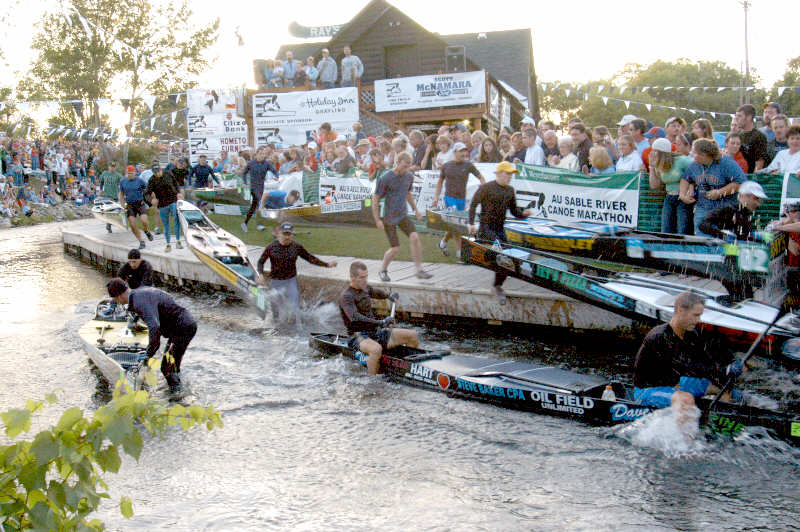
pixel 456 293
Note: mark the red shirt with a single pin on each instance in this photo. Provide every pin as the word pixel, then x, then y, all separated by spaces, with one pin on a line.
pixel 741 161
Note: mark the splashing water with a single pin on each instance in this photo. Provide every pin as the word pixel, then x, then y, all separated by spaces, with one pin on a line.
pixel 673 431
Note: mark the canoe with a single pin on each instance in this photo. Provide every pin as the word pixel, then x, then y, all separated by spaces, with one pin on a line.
pixel 544 389
pixel 708 257
pixel 226 195
pixel 636 296
pixel 343 212
pixel 113 346
pixel 225 254
pixel 110 212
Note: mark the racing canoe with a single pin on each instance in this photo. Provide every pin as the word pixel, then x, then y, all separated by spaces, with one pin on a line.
pixel 225 254
pixel 358 212
pixel 113 346
pixel 637 296
pixel 110 212
pixel 544 389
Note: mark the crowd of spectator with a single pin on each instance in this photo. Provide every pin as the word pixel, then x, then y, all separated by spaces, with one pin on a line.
pixel 290 72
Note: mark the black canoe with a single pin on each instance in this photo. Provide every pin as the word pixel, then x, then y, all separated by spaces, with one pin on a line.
pixel 636 296
pixel 543 389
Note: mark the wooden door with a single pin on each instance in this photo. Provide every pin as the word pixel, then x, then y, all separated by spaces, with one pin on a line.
pixel 401 61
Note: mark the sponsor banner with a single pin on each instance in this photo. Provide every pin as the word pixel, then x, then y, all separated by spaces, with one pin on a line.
pixel 208 101
pixel 790 193
pixel 210 134
pixel 292 118
pixel 435 90
pixel 338 188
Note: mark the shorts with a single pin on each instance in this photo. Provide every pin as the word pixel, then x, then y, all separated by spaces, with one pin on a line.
pixel 381 336
pixel 137 208
pixel 661 396
pixel 458 204
pixel 405 225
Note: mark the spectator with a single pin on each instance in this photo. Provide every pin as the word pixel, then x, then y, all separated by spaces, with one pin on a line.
pixel 780 129
pixel 530 153
pixel 544 127
pixel 673 127
pixel 702 129
pixel 445 154
pixel 771 110
pixel 444 131
pixel 421 151
pixel 549 144
pixel 715 178
pixel 683 144
pixel 754 142
pixel 311 72
pixel 733 145
pixel 568 160
pixel 489 152
pixel 362 154
pixel 352 68
pixel 505 146
pixel 477 142
pixel 110 181
pixel 625 125
pixel 638 127
pixel 376 163
pixel 788 160
pixel 327 70
pixel 666 171
pixel 289 70
pixel 326 134
pixel 300 75
pixel 601 137
pixel 653 134
pixel 277 74
pixel 600 161
pixel 527 123
pixel 629 160
pixel 312 160
pixel 582 145
pixel 516 146
pixel 344 161
pixel 358 129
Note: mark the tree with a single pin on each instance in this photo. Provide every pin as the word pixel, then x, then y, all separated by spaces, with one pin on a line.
pixel 54 481
pixel 790 97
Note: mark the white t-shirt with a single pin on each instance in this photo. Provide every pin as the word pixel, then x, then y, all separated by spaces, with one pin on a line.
pixel 146 175
pixel 443 157
pixel 535 155
pixel 630 163
pixel 784 162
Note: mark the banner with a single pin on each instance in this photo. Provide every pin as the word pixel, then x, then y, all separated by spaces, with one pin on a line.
pixel 211 134
pixel 790 192
pixel 292 118
pixel 338 188
pixel 205 101
pixel 435 90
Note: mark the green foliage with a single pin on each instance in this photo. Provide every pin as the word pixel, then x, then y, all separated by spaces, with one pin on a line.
pixel 142 152
pixel 789 100
pixel 54 481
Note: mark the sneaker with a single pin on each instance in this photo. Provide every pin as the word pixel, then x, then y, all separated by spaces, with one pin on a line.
pixel 178 244
pixel 443 247
pixel 244 227
pixel 422 274
pixel 141 244
pixel 500 294
pixel 168 248
pixel 158 230
pixel 149 235
pixel 384 276
pixel 260 227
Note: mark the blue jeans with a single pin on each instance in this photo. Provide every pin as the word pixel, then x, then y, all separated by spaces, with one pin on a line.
pixel 700 215
pixel 165 213
pixel 676 216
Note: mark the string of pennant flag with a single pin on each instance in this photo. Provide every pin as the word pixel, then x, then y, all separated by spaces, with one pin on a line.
pixel 648 88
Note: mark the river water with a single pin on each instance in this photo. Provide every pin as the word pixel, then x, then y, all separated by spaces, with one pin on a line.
pixel 313 444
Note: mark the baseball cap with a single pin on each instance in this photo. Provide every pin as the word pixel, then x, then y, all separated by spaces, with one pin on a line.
pixel 460 127
pixel 459 146
pixel 528 120
pixel 130 168
pixel 362 142
pixel 286 227
pixel 398 132
pixel 116 286
pixel 670 120
pixel 751 187
pixel 507 167
pixel 656 132
pixel 627 119
pixel 155 167
pixel 662 145
pixel 312 145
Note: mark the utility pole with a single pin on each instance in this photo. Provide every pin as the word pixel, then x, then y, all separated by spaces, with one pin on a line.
pixel 746 6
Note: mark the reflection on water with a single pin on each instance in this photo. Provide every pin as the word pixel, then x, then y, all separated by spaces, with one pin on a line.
pixel 311 443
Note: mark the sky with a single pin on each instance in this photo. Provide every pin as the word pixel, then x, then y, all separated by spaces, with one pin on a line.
pixel 573 41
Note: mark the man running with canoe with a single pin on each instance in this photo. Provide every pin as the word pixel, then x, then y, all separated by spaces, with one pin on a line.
pixel 369 334
pixel 677 363
pixel 163 317
pixel 495 198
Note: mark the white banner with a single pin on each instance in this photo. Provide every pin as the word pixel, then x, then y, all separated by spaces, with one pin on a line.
pixel 206 101
pixel 435 90
pixel 292 118
pixel 210 134
pixel 337 188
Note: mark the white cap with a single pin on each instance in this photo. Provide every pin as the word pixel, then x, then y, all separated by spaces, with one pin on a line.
pixel 663 145
pixel 528 120
pixel 312 145
pixel 670 120
pixel 627 119
pixel 751 187
pixel 459 146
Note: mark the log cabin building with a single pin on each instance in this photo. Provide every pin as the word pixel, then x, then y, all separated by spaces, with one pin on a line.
pixel 392 45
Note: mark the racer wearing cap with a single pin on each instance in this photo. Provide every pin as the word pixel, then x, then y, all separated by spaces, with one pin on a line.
pixel 283 254
pixel 131 198
pixel 163 317
pixel 137 271
pixel 495 198
pixel 257 170
pixel 201 172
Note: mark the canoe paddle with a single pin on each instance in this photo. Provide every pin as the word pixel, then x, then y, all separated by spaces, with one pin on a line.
pixel 747 357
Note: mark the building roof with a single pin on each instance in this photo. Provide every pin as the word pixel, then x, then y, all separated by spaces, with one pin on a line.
pixel 506 55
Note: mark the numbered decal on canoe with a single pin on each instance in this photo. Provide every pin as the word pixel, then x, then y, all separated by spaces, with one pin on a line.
pixel 795 429
pixel 753 258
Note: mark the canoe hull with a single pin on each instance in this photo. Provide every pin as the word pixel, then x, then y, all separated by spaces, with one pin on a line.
pixel 119 352
pixel 356 212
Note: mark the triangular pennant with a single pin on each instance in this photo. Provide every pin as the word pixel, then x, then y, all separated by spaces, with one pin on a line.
pixel 85 26
pixel 748 89
pixel 94 134
pixel 50 131
pixel 780 91
pixel 567 92
pixel 668 88
pixel 720 89
pixel 173 99
pixel 605 100
pixel 622 90
pixel 174 114
pixel 648 106
pixel 645 89
pixel 713 115
pixel 578 86
pixel 150 101
pixel 152 123
pixel 627 104
pixel 556 85
pixel 600 88
pixel 693 88
pixel 585 96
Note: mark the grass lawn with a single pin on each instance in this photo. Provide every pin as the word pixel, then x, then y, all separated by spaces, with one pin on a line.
pixel 344 241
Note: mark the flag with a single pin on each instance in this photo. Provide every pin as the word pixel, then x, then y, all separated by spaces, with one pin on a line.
pixel 150 101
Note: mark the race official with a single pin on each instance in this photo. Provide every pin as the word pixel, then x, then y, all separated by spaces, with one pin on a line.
pixel 369 334
pixel 163 317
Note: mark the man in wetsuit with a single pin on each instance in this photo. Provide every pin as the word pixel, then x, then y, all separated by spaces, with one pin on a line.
pixel 131 198
pixel 163 317
pixel 201 172
pixel 495 198
pixel 367 333
pixel 677 363
pixel 454 176
pixel 283 254
pixel 257 169
pixel 137 271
